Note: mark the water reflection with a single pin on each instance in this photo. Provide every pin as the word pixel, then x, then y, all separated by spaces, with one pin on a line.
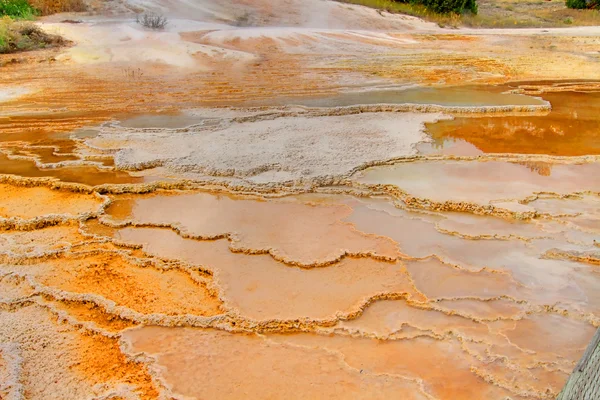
pixel 572 128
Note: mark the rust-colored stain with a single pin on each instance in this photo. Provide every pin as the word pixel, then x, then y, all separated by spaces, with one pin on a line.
pixel 125 273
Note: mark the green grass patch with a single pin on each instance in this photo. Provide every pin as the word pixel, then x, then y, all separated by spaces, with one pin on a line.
pixel 497 13
pixel 18 36
pixel 19 9
pixel 583 4
pixel 414 9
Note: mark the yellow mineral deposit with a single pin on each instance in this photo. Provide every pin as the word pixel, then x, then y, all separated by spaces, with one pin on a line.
pixel 245 281
pixel 297 199
pixel 24 202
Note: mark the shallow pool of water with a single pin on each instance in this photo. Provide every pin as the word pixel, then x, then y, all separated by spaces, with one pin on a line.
pixel 484 182
pixel 81 174
pixel 450 96
pixel 572 128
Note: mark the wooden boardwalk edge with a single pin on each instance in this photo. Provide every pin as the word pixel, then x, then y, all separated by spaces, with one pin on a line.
pixel 584 382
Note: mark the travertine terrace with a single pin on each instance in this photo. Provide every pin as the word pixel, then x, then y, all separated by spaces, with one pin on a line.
pixel 297 199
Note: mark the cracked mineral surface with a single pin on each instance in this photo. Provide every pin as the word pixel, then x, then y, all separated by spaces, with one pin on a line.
pixel 297 199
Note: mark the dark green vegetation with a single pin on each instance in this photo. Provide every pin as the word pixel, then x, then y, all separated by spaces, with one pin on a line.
pixel 18 34
pixel 422 8
pixel 583 4
pixel 447 6
pixel 17 9
pixel 28 9
pixel 494 13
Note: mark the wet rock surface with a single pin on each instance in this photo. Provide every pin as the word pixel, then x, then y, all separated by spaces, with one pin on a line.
pixel 153 247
